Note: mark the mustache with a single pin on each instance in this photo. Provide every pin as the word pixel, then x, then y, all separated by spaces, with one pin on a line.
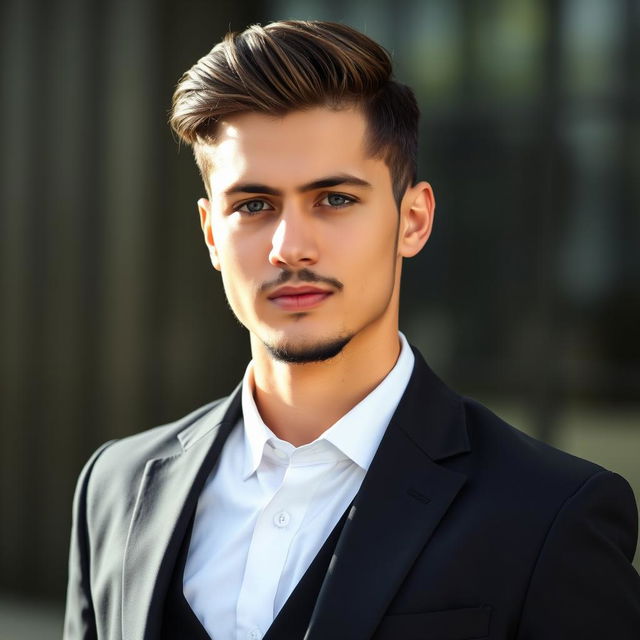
pixel 304 275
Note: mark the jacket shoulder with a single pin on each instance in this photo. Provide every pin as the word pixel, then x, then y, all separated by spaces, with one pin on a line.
pixel 504 451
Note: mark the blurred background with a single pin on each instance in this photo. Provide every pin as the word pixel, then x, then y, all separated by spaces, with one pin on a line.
pixel 112 320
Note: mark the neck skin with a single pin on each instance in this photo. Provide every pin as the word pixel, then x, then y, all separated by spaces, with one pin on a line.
pixel 298 402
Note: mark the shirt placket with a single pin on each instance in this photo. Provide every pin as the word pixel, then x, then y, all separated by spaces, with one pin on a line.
pixel 273 534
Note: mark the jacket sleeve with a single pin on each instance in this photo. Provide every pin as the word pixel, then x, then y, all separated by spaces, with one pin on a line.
pixel 583 584
pixel 79 622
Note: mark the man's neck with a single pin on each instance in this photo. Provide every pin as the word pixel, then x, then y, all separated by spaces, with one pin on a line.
pixel 298 402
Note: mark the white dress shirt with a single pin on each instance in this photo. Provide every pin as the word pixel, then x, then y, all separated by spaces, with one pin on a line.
pixel 267 508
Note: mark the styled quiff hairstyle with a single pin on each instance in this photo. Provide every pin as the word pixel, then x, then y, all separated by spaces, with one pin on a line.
pixel 294 65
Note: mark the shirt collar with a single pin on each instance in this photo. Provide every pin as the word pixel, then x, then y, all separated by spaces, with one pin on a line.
pixel 356 435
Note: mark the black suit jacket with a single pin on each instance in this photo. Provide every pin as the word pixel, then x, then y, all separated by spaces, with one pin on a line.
pixel 463 528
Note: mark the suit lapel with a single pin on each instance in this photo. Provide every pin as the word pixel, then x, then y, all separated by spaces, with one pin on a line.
pixel 404 496
pixel 167 495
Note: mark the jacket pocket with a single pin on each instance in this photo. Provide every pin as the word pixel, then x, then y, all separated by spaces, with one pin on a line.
pixel 452 624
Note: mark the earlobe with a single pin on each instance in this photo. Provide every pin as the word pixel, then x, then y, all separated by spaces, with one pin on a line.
pixel 416 211
pixel 204 209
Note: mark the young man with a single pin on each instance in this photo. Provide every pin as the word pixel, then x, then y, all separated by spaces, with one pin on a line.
pixel 341 491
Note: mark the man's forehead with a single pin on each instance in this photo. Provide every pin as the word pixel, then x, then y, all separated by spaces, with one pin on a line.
pixel 290 150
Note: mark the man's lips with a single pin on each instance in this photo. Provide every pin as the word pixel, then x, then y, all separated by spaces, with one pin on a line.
pixel 298 298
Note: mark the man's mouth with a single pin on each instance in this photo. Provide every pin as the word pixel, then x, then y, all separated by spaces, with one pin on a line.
pixel 299 298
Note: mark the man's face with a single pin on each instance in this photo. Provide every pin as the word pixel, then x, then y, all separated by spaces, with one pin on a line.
pixel 303 226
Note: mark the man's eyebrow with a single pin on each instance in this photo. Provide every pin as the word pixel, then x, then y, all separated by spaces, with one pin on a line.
pixel 334 181
pixel 251 188
pixel 322 183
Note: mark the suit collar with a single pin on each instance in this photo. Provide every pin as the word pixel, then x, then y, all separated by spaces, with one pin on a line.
pixel 209 418
pixel 432 415
pixel 167 496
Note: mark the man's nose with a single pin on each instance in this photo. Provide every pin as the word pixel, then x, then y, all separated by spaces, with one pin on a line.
pixel 293 243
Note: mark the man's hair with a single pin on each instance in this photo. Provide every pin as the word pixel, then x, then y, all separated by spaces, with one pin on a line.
pixel 295 65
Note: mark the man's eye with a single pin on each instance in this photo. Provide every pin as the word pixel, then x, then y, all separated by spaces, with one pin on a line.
pixel 254 206
pixel 336 200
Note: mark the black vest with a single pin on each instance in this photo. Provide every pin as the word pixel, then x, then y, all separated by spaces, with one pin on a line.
pixel 180 623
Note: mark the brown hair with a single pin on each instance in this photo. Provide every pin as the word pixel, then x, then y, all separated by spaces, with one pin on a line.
pixel 292 65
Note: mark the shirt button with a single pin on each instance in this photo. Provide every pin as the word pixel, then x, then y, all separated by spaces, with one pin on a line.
pixel 254 634
pixel 281 519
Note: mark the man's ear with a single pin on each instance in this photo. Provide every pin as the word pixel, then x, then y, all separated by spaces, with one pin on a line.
pixel 204 209
pixel 416 219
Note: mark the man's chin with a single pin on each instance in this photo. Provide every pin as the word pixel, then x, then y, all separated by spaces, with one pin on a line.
pixel 307 353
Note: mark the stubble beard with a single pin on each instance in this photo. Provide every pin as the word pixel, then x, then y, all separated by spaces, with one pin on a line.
pixel 306 354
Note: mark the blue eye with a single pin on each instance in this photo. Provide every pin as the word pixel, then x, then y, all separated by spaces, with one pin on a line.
pixel 254 206
pixel 337 200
